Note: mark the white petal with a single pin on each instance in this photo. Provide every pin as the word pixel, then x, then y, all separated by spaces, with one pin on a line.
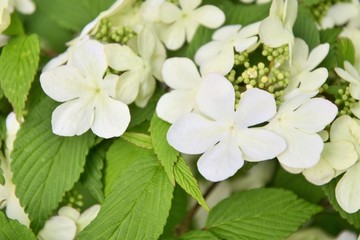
pixel 173 36
pixel 352 70
pixel 191 25
pixel 109 84
pixel 174 104
pixel 146 43
pixel 69 212
pixel 338 10
pixel 340 154
pixel 146 91
pixel 301 52
pixel 194 134
pixel 216 97
pixel 221 161
pixel 355 91
pixel 128 87
pixel 244 44
pixel 226 32
pixel 89 57
pixel 292 170
pixel 249 30
pixel 25 6
pixel 312 81
pixel 87 216
pixel 72 118
pixel 112 117
pixel 222 63
pixel 317 55
pixel 260 144
pixel 273 33
pixel 303 150
pixel 58 228
pixel 255 106
pixel 313 116
pixel 320 174
pixel 64 83
pixel 210 16
pixel 355 109
pixel 346 76
pixel 15 211
pixel 169 12
pixel 180 73
pixel 290 11
pixel 188 5
pixel 208 51
pixel 347 190
pixel 122 58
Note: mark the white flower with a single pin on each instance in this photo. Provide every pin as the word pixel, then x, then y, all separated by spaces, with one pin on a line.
pixel 221 133
pixel 335 15
pixel 218 56
pixel 88 96
pixel 68 223
pixel 298 120
pixel 354 36
pixel 7 7
pixel 8 198
pixel 276 29
pixel 183 77
pixel 137 83
pixel 24 6
pixel 351 75
pixel 182 22
pixel 302 73
pixel 4 14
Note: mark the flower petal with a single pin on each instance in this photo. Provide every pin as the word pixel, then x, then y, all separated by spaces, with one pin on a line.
pixel 303 150
pixel 312 81
pixel 112 117
pixel 146 43
pixel 194 134
pixel 127 87
pixel 340 154
pixel 173 35
pixel 188 5
pixel 72 118
pixel 355 109
pixel 226 32
pixel 210 16
pixel 273 33
pixel 69 212
pixel 319 174
pixel 221 63
pixel 347 190
pixel 216 97
pixel 122 58
pixel 58 228
pixel 244 44
pixel 313 115
pixel 221 161
pixel 87 216
pixel 174 104
pixel 355 90
pixel 89 57
pixel 15 211
pixel 169 12
pixel 180 73
pixel 255 106
pixel 146 90
pixel 260 144
pixel 208 51
pixel 317 55
pixel 64 83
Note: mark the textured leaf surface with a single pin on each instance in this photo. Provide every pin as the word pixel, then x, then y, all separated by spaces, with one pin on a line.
pixel 259 214
pixel 12 229
pixel 138 139
pixel 18 63
pixel 137 207
pixel 166 154
pixel 186 180
pixel 199 235
pixel 346 51
pixel 45 166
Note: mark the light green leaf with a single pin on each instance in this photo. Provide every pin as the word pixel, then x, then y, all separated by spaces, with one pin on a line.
pixel 346 51
pixel 305 28
pixel 138 139
pixel 92 176
pixel 18 63
pixel 120 156
pixel 259 214
pixel 199 235
pixel 12 229
pixel 137 207
pixel 329 189
pixel 44 165
pixel 166 154
pixel 186 180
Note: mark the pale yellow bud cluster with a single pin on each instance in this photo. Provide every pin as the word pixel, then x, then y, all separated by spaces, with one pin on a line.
pixel 110 34
pixel 280 54
pixel 344 101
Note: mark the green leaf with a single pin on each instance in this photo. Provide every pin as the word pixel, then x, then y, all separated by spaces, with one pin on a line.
pixel 45 165
pixel 330 36
pixel 305 28
pixel 346 51
pixel 186 180
pixel 137 207
pixel 166 154
pixel 199 235
pixel 92 176
pixel 12 229
pixel 120 156
pixel 138 139
pixel 259 214
pixel 16 26
pixel 329 189
pixel 18 63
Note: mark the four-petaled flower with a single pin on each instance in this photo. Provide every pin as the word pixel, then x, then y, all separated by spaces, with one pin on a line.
pixel 223 134
pixel 351 75
pixel 88 95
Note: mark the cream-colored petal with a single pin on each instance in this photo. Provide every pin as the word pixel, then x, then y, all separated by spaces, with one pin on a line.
pixel 209 16
pixel 122 58
pixel 58 228
pixel 320 174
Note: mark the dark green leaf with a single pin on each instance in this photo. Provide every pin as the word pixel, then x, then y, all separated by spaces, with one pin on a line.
pixel 13 230
pixel 305 28
pixel 346 51
pixel 199 235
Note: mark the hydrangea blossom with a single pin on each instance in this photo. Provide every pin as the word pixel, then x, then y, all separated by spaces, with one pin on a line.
pixel 222 134
pixel 8 198
pixel 303 74
pixel 298 120
pixel 335 15
pixel 88 97
pixel 276 29
pixel 218 56
pixel 183 20
pixel 350 74
pixel 68 223
pixel 183 77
